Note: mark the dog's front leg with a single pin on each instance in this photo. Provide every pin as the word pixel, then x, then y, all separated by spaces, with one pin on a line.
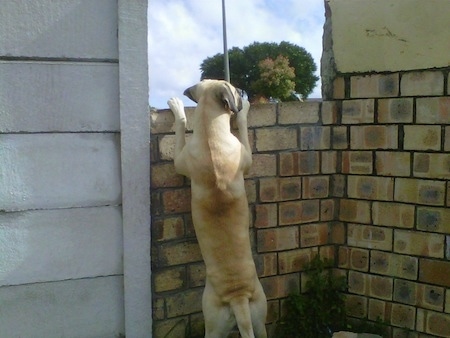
pixel 177 107
pixel 241 121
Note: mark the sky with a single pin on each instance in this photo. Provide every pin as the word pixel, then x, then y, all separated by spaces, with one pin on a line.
pixel 182 33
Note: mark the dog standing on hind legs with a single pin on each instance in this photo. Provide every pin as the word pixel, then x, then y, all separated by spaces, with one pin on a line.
pixel 215 161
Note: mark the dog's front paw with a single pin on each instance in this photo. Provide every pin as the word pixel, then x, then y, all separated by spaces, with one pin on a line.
pixel 177 107
pixel 242 115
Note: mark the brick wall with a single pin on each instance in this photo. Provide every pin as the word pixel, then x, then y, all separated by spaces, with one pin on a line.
pixel 394 132
pixel 291 189
pixel 361 178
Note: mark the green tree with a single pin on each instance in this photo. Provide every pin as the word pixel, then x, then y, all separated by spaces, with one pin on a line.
pixel 276 78
pixel 245 67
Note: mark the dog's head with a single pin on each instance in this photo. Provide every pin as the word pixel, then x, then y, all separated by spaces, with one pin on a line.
pixel 222 91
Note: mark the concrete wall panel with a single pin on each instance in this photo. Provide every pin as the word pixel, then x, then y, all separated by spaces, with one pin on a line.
pixel 61 29
pixel 390 35
pixel 73 308
pixel 51 245
pixel 44 171
pixel 48 96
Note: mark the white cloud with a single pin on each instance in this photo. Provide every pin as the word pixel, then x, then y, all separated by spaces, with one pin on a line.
pixel 182 33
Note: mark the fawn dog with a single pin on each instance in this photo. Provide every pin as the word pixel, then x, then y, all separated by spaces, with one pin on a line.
pixel 215 161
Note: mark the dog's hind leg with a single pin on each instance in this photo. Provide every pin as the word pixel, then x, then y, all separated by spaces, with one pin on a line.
pixel 241 309
pixel 258 308
pixel 219 319
pixel 177 107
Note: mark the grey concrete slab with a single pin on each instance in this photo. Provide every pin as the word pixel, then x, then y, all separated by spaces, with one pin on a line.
pixel 59 244
pixel 46 171
pixel 59 29
pixel 58 96
pixel 72 308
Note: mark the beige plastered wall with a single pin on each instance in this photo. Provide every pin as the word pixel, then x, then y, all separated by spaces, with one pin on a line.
pixel 390 35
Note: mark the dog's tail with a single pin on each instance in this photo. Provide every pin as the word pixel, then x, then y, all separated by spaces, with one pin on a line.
pixel 241 309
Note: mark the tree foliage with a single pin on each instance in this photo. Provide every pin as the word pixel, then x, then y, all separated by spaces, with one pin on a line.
pixel 250 69
pixel 276 78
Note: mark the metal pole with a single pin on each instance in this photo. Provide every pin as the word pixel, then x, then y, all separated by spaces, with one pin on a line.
pixel 225 48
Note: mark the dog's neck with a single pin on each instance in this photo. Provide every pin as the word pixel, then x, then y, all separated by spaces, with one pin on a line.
pixel 212 124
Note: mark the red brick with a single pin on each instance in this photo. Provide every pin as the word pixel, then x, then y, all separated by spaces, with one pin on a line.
pixel 280 286
pixel 299 163
pixel 358 111
pixel 354 211
pixel 422 137
pixel 433 110
pixel 170 328
pixel 164 176
pixel 266 264
pixel 338 231
pixel 168 228
pixel 447 139
pixel 339 137
pixel 380 310
pixel 315 187
pixel 435 272
pixel 419 243
pixel 169 279
pixel 263 165
pixel 370 237
pixel 358 282
pixel 433 219
pixel 329 162
pixel 370 187
pixel 397 110
pixel 419 191
pixel 297 212
pixel 389 163
pixel 422 83
pixel 273 311
pixel 381 287
pixel 393 214
pixel 295 260
pixel 184 303
pixel 354 258
pixel 179 253
pixel 356 306
pixel 403 316
pixel 286 138
pixel 329 112
pixel 374 137
pixel 277 239
pixel 279 189
pixel 197 274
pixel 357 162
pixel 262 115
pixel 314 234
pixel 327 210
pixel 314 138
pixel 377 85
pixel 338 88
pixel 434 323
pixel 266 215
pixel 394 265
pixel 432 165
pixel 422 295
pixel 298 112
pixel 177 201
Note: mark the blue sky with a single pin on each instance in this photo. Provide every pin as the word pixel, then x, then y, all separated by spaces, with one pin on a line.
pixel 182 33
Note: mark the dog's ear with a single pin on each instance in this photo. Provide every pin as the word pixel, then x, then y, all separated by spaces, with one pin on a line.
pixel 190 93
pixel 232 102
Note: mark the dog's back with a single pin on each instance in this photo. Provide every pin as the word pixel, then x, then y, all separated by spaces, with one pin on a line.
pixel 215 161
